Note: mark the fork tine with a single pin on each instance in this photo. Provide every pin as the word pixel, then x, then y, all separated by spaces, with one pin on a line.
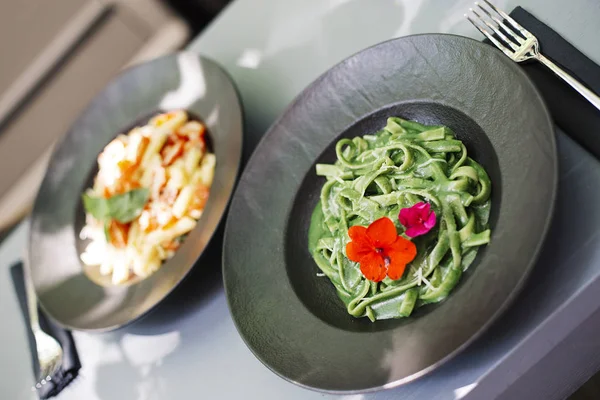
pixel 501 24
pixel 496 30
pixel 511 21
pixel 490 36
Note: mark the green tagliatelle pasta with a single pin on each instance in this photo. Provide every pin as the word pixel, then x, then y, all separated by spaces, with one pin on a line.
pixel 376 176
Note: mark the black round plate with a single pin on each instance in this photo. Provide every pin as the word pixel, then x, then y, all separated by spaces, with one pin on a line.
pixel 179 81
pixel 291 319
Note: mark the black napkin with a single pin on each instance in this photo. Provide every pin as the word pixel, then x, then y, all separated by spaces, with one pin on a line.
pixel 70 362
pixel 571 112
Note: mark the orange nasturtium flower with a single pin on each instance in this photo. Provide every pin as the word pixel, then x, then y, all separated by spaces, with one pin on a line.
pixel 380 250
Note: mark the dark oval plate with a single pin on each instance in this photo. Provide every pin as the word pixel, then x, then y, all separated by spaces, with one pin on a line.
pixel 292 320
pixel 178 81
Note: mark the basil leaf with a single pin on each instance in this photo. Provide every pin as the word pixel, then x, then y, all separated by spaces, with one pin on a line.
pixel 123 207
pixel 97 206
pixel 127 206
pixel 107 230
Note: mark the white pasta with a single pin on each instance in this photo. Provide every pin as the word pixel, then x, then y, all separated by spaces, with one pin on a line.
pixel 181 227
pixel 149 170
pixel 168 158
pixel 160 251
pixel 136 147
pixel 176 120
pixel 183 201
pixel 206 172
pixel 94 254
pixel 120 266
pixel 147 261
pixel 192 159
pixel 106 267
pixel 177 176
pixel 196 214
pixel 134 234
pixel 192 127
pixel 157 141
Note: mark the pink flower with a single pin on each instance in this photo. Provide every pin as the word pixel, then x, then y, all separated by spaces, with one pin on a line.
pixel 418 219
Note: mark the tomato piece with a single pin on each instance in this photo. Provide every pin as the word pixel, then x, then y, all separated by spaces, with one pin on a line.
pixel 118 233
pixel 171 152
pixel 169 224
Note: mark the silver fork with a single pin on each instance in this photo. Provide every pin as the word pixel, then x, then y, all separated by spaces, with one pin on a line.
pixel 519 44
pixel 49 352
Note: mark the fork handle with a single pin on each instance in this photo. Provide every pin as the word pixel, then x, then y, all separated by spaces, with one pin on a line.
pixel 575 84
pixel 32 305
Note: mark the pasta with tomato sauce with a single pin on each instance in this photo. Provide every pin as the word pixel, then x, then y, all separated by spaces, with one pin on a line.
pixel 151 188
